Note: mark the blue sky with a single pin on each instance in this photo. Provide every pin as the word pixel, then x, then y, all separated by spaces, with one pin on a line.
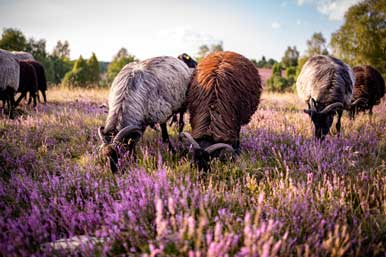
pixel 150 28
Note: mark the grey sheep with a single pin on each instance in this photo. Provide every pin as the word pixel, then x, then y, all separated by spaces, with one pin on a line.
pixel 142 94
pixel 326 84
pixel 9 80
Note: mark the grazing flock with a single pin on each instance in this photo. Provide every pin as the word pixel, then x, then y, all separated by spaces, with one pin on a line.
pixel 221 94
pixel 20 73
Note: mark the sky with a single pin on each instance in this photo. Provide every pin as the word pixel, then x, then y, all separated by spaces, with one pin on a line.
pixel 148 28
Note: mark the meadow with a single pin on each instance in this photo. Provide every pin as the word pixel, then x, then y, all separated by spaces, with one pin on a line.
pixel 286 195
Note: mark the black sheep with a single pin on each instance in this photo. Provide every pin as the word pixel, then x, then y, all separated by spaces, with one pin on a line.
pixel 28 81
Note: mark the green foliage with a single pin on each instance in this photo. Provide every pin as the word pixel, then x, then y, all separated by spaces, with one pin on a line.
pixel 79 75
pixel 290 57
pixel 13 40
pixel 204 50
pixel 316 45
pixel 362 37
pixel 290 72
pixel 263 63
pixel 276 69
pixel 277 83
pixel 302 60
pixel 93 68
pixel 120 60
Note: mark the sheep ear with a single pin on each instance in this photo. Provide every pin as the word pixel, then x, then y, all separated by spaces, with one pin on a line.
pixel 309 112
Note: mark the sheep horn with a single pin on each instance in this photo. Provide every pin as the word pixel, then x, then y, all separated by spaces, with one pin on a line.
pixel 125 131
pixel 214 147
pixel 190 139
pixel 331 107
pixel 364 100
pixel 102 135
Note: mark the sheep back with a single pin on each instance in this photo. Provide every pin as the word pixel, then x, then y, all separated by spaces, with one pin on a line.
pixel 223 95
pixel 28 79
pixel 327 80
pixel 9 72
pixel 147 92
pixel 20 55
pixel 369 84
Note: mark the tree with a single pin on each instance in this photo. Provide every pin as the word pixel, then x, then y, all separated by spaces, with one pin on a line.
pixel 362 37
pixel 290 57
pixel 93 69
pixel 217 47
pixel 62 50
pixel 13 40
pixel 37 48
pixel 120 59
pixel 78 76
pixel 316 45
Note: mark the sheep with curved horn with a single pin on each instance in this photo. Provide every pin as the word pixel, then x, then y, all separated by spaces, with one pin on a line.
pixel 143 94
pixel 369 89
pixel 223 95
pixel 325 83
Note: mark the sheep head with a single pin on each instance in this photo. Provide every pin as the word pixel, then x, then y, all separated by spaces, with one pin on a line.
pixel 323 119
pixel 125 139
pixel 188 60
pixel 202 156
pixel 358 105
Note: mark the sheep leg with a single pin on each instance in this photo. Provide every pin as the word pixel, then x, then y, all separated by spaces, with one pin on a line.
pixel 44 96
pixel 38 96
pixel 34 98
pixel 23 94
pixel 371 114
pixel 165 137
pixel 174 119
pixel 340 112
pixel 181 122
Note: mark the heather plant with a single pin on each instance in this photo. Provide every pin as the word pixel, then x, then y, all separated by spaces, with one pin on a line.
pixel 285 195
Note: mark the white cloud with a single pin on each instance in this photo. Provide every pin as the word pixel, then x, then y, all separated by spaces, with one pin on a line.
pixel 284 4
pixel 276 25
pixel 186 34
pixel 334 9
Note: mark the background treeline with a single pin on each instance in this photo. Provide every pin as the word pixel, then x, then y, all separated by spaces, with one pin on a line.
pixel 360 40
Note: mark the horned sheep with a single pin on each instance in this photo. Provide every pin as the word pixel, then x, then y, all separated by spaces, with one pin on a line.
pixel 326 84
pixel 142 94
pixel 223 95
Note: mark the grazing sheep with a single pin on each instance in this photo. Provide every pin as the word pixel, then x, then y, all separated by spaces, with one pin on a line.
pixel 223 95
pixel 325 84
pixel 28 81
pixel 9 80
pixel 42 81
pixel 143 94
pixel 368 90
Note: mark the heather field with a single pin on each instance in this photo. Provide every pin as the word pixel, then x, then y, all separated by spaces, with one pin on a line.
pixel 286 194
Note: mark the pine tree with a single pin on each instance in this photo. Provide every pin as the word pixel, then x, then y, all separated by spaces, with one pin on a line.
pixel 93 69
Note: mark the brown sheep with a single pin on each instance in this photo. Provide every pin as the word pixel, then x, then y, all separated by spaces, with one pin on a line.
pixel 368 90
pixel 27 82
pixel 223 95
